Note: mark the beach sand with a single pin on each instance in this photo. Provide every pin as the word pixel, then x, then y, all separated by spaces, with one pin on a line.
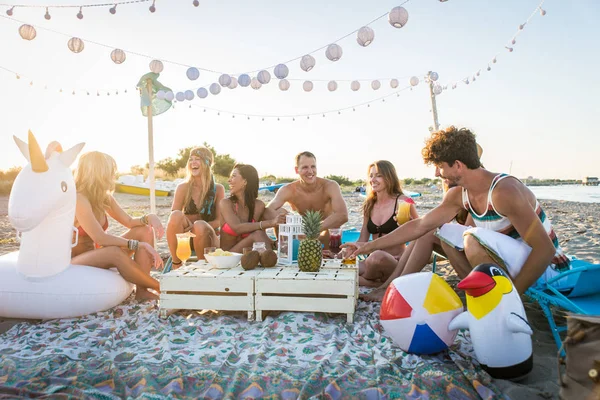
pixel 576 225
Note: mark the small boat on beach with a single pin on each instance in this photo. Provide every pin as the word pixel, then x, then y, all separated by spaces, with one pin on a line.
pixel 142 191
pixel 135 184
pixel 271 187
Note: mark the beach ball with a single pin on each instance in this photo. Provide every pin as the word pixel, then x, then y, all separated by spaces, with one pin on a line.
pixel 416 311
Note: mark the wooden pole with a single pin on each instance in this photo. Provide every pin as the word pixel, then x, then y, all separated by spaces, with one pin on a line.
pixel 151 150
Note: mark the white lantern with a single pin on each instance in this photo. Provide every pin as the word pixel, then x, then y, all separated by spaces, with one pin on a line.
pixel 224 80
pixel 192 73
pixel 156 66
pixel 234 83
pixel 75 45
pixel 289 239
pixel 169 96
pixel 394 83
pixel 214 88
pixel 333 52
pixel 27 32
pixel 375 84
pixel 307 62
pixel 202 92
pixel 189 95
pixel 118 56
pixel 355 85
pixel 307 86
pixel 434 76
pixel 264 77
pixel 281 71
pixel 255 83
pixel 365 36
pixel 180 96
pixel 414 81
pixel 437 89
pixel 244 80
pixel 332 86
pixel 398 17
pixel 160 94
pixel 284 84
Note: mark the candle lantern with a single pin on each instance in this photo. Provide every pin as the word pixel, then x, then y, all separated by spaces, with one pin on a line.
pixel 290 235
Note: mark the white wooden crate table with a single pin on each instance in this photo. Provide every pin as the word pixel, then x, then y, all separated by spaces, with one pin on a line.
pixel 199 286
pixel 334 289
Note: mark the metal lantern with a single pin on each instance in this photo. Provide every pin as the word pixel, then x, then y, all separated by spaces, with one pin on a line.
pixel 224 80
pixel 161 94
pixel 244 80
pixel 437 89
pixel 215 88
pixel 202 93
pixel 307 62
pixel 398 17
pixel 180 96
pixel 118 56
pixel 355 85
pixel 234 83
pixel 394 83
pixel 333 52
pixel 264 77
pixel 284 84
pixel 375 84
pixel 75 45
pixel 365 36
pixel 307 86
pixel 414 81
pixel 192 73
pixel 189 95
pixel 281 71
pixel 290 235
pixel 156 66
pixel 255 83
pixel 27 32
pixel 169 96
pixel 332 86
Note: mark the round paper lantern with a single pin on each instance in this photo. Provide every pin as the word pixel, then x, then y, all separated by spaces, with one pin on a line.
pixel 156 66
pixel 161 94
pixel 281 71
pixel 118 56
pixel 234 83
pixel 414 81
pixel 284 84
pixel 365 36
pixel 307 62
pixel 244 80
pixel 264 77
pixel 307 86
pixel 434 76
pixel 398 17
pixel 75 45
pixel 394 83
pixel 375 85
pixel 355 85
pixel 192 73
pixel 214 88
pixel 416 311
pixel 332 86
pixel 189 95
pixel 333 52
pixel 224 80
pixel 27 32
pixel 202 93
pixel 255 83
pixel 437 89
pixel 180 96
pixel 169 96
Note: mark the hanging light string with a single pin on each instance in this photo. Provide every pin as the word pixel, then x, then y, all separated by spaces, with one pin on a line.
pixel 509 48
pixel 73 5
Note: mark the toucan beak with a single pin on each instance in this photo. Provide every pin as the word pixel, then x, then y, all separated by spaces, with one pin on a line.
pixel 477 284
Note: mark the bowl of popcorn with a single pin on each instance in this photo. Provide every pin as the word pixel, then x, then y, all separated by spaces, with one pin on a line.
pixel 223 259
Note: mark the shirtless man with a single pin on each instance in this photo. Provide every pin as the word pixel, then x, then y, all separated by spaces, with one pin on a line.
pixel 312 193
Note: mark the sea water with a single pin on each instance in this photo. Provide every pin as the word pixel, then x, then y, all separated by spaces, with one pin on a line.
pixel 580 193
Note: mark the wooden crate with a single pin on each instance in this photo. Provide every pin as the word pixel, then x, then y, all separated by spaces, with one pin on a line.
pixel 334 289
pixel 201 287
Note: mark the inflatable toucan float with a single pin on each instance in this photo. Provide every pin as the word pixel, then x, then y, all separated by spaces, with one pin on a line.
pixel 496 319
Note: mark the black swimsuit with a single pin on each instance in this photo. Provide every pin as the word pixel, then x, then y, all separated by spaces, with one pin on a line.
pixel 207 213
pixel 385 228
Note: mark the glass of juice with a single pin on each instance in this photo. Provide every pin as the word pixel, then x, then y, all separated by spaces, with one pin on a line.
pixel 403 213
pixel 346 254
pixel 335 240
pixel 184 251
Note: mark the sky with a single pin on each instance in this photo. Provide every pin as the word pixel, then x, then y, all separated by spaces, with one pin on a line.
pixel 535 113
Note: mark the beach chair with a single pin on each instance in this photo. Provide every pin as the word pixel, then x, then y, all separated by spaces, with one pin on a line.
pixel 576 290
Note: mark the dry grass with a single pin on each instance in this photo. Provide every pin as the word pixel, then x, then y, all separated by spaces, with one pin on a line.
pixel 5 187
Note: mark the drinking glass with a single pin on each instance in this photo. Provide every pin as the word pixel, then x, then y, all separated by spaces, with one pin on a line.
pixel 403 213
pixel 346 253
pixel 335 239
pixel 184 251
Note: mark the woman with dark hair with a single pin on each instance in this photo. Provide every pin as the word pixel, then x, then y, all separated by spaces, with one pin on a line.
pixel 241 212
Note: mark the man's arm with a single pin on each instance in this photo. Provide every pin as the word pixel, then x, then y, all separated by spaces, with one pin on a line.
pixel 275 206
pixel 511 200
pixel 339 214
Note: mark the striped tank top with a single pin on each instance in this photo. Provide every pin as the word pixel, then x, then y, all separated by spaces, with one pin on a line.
pixel 493 220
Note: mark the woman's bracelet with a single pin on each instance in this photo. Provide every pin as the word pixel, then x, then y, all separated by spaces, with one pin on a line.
pixel 133 244
pixel 260 225
pixel 144 219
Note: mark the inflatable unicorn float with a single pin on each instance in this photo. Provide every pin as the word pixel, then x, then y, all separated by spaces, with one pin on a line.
pixel 38 281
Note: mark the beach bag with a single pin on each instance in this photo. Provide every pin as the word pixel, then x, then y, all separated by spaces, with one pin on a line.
pixel 581 377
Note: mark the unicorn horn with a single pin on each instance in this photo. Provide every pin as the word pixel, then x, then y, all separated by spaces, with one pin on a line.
pixel 38 162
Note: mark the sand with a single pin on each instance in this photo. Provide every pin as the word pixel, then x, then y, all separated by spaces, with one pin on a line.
pixel 576 225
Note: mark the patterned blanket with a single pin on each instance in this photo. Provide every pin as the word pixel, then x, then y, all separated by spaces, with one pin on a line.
pixel 129 352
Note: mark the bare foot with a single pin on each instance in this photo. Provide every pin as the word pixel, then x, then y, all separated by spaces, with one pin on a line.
pixel 144 295
pixel 374 295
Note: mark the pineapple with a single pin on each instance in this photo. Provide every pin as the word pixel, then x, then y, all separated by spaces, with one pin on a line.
pixel 309 251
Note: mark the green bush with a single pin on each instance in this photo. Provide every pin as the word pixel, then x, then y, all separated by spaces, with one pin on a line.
pixel 341 180
pixel 222 166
